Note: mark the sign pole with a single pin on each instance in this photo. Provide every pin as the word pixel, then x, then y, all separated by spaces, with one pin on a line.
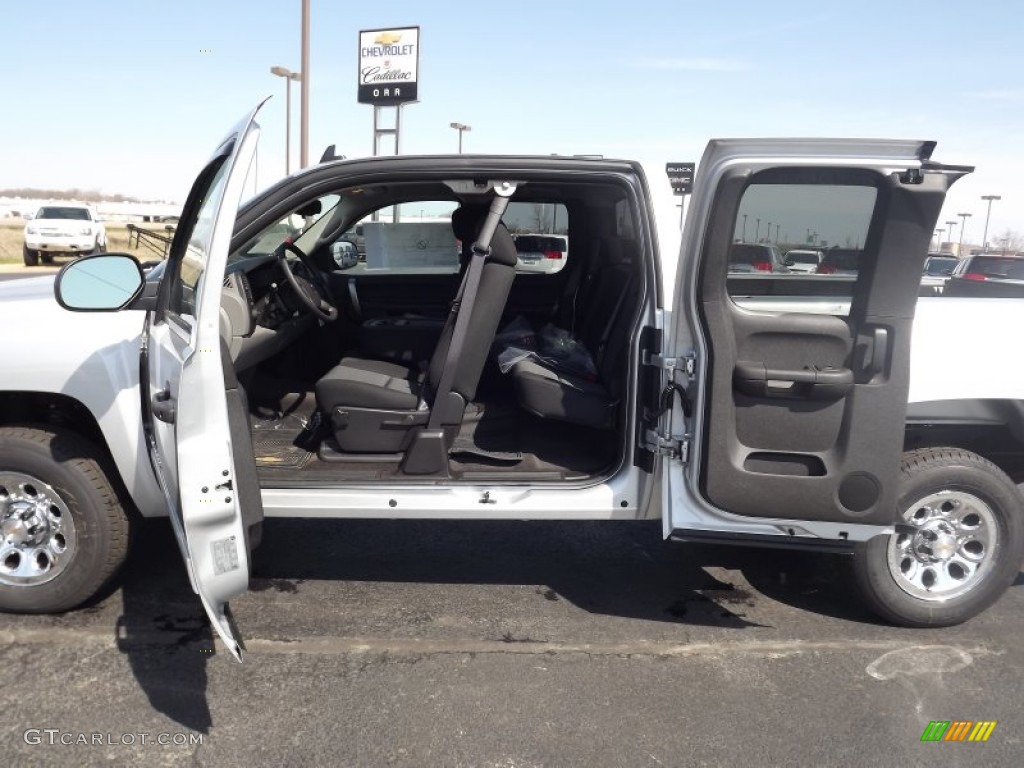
pixel 680 176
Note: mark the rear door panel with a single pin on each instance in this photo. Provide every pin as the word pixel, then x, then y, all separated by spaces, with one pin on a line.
pixel 800 416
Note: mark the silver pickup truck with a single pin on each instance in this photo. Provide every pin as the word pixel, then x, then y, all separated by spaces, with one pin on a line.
pixel 250 375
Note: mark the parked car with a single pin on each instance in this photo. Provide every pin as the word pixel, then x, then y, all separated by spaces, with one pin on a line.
pixel 755 257
pixel 940 264
pixel 987 274
pixel 803 261
pixel 225 387
pixel 63 228
pixel 839 261
pixel 541 253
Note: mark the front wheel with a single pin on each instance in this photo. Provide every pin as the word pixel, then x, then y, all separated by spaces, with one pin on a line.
pixel 63 529
pixel 30 256
pixel 958 547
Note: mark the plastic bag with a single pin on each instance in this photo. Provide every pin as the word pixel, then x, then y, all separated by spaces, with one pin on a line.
pixel 557 350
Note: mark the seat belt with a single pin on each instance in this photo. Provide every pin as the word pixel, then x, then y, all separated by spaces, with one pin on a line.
pixel 466 299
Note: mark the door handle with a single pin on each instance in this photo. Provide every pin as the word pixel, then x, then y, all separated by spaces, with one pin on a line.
pixel 812 382
pixel 163 406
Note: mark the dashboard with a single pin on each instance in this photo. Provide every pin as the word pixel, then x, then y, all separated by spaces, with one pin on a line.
pixel 260 313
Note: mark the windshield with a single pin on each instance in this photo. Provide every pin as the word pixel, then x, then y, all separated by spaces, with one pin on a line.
pixel 801 258
pixel 63 212
pixel 302 230
pixel 938 266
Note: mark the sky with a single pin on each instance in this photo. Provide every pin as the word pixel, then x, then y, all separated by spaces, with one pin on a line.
pixel 131 96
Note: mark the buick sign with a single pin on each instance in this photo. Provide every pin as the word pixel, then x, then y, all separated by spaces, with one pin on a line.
pixel 388 65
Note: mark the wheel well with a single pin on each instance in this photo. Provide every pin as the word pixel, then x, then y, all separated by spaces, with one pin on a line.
pixel 990 428
pixel 51 408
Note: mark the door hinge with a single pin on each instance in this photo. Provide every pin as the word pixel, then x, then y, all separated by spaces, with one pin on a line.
pixel 660 445
pixel 685 363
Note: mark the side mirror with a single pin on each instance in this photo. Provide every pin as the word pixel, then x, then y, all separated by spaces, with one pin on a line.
pixel 345 254
pixel 107 282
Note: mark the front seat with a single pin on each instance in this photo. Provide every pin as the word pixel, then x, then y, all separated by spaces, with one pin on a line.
pixel 375 406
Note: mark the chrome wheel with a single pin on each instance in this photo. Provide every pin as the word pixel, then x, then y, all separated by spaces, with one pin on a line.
pixel 37 532
pixel 946 546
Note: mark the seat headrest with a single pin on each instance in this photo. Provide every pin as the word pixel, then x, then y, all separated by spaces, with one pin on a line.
pixel 466 222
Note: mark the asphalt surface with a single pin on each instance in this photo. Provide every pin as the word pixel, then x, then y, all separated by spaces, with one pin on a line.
pixel 416 643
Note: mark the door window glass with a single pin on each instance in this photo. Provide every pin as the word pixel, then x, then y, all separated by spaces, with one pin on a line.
pixel 801 241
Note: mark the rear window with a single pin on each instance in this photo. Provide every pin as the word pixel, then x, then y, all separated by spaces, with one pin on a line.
pixel 63 212
pixel 745 253
pixel 996 266
pixel 534 243
pixel 840 259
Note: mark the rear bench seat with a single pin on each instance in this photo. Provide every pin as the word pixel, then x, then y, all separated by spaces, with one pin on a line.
pixel 605 303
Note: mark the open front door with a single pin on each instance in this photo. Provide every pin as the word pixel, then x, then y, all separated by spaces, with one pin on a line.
pixel 800 379
pixel 196 421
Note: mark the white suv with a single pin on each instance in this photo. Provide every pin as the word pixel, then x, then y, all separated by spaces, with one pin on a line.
pixel 63 228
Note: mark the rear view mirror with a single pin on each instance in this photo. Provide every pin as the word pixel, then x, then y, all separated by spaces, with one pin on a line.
pixel 104 283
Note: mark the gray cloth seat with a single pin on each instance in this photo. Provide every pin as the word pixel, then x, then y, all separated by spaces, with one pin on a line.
pixel 376 406
pixel 369 383
pixel 607 298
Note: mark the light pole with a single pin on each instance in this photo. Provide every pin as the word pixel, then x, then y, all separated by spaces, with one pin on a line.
pixel 984 238
pixel 951 224
pixel 938 239
pixel 963 227
pixel 461 127
pixel 768 233
pixel 288 76
pixel 757 232
pixel 304 111
pixel 744 227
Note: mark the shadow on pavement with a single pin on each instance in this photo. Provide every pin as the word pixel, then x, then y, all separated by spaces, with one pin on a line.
pixel 163 629
pixel 614 569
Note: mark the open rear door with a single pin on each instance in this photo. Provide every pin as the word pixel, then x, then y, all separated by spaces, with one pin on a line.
pixel 799 381
pixel 195 415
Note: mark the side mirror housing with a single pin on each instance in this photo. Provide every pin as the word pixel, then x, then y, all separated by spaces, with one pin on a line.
pixel 108 282
pixel 345 254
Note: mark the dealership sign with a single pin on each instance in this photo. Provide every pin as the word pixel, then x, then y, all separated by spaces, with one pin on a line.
pixel 680 176
pixel 388 65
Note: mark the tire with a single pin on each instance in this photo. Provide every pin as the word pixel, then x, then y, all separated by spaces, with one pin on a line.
pixel 85 529
pixel 960 549
pixel 31 257
pixel 100 248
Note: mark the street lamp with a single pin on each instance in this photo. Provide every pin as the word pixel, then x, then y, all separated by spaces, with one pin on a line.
pixel 757 232
pixel 951 224
pixel 288 75
pixel 460 127
pixel 938 239
pixel 744 227
pixel 963 227
pixel 984 238
pixel 304 109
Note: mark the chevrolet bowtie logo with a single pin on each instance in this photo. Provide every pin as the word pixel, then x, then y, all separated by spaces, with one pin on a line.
pixel 387 38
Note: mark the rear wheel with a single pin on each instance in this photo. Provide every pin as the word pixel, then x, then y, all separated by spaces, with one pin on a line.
pixel 959 545
pixel 30 256
pixel 63 529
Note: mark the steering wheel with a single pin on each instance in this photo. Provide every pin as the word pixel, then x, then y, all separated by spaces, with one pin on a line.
pixel 306 290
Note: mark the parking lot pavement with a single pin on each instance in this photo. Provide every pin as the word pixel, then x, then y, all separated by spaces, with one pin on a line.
pixel 18 271
pixel 497 644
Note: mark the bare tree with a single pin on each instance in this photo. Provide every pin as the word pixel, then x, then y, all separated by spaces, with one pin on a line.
pixel 541 218
pixel 1010 241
